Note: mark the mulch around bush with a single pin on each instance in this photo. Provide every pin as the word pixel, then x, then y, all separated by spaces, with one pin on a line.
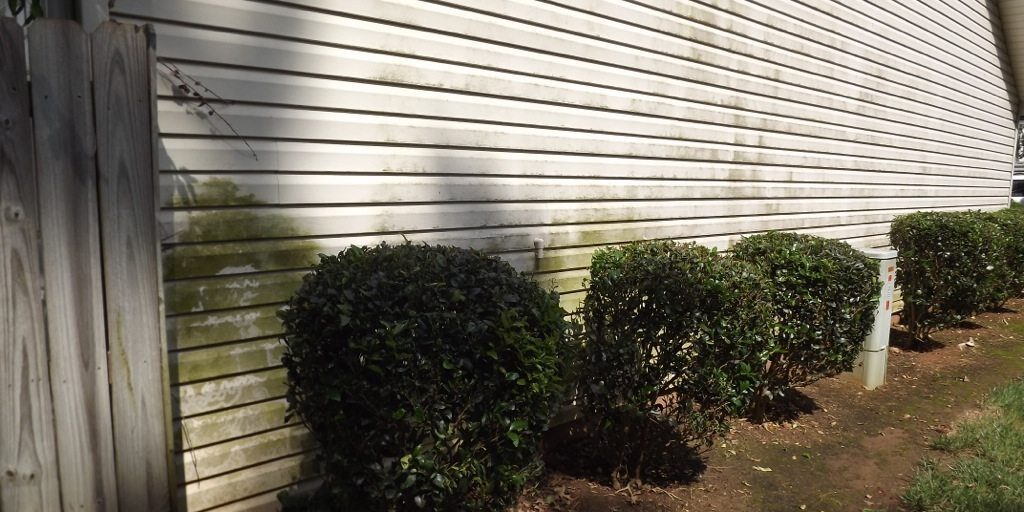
pixel 833 447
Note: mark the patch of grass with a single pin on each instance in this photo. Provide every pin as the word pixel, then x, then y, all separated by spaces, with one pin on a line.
pixel 985 470
pixel 1016 327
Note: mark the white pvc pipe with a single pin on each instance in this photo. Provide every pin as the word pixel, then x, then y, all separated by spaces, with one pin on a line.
pixel 874 356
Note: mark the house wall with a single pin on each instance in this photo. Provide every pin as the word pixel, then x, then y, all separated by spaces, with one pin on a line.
pixel 491 124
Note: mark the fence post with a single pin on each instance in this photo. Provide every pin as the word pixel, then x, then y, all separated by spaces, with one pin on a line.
pixel 28 462
pixel 122 74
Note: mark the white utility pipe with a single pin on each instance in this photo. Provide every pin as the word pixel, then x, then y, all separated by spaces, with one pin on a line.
pixel 874 356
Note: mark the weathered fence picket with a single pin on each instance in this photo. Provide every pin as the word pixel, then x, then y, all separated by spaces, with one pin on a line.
pixel 28 451
pixel 123 65
pixel 66 170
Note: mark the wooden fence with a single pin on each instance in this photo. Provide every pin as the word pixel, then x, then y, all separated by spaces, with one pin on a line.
pixel 83 375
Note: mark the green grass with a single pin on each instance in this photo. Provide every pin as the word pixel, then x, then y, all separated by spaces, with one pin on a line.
pixel 985 468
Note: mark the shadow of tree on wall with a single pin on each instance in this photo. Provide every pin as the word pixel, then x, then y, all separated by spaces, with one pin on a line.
pixel 200 246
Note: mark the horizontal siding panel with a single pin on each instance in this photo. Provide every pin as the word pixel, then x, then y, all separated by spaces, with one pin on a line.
pixel 298 92
pixel 753 31
pixel 838 26
pixel 268 502
pixel 409 14
pixel 206 260
pixel 936 17
pixel 242 50
pixel 230 424
pixel 736 54
pixel 295 190
pixel 215 492
pixel 202 329
pixel 537 52
pixel 229 392
pixel 187 193
pixel 210 156
pixel 340 31
pixel 236 358
pixel 905 28
pixel 230 291
pixel 311 223
pixel 357 128
pixel 220 459
pixel 976 19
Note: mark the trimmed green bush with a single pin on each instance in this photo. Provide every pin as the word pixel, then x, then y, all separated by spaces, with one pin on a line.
pixel 824 295
pixel 673 336
pixel 948 267
pixel 427 375
pixel 1008 276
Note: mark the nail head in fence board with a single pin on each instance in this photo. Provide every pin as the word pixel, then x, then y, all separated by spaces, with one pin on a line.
pixel 28 460
pixel 69 221
pixel 121 75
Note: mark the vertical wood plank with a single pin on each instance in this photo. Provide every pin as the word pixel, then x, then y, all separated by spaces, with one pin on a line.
pixel 154 133
pixel 69 218
pixel 28 462
pixel 121 74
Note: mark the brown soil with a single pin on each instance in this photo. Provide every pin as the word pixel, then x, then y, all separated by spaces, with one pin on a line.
pixel 833 447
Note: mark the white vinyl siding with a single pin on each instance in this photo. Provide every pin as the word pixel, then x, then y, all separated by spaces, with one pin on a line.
pixel 492 123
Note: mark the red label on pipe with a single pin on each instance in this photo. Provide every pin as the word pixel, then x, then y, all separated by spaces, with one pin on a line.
pixel 887 305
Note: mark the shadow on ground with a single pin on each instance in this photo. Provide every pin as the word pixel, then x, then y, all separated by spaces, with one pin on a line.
pixel 904 341
pixel 669 461
pixel 1003 309
pixel 968 325
pixel 789 407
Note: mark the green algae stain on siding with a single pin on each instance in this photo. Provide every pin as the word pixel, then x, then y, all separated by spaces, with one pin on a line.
pixel 236 358
pixel 223 287
pixel 199 330
pixel 230 291
pixel 215 241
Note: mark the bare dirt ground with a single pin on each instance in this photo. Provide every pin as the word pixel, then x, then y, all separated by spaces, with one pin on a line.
pixel 835 447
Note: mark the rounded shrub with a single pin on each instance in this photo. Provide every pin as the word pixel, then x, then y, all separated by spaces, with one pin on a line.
pixel 947 267
pixel 824 295
pixel 427 375
pixel 673 337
